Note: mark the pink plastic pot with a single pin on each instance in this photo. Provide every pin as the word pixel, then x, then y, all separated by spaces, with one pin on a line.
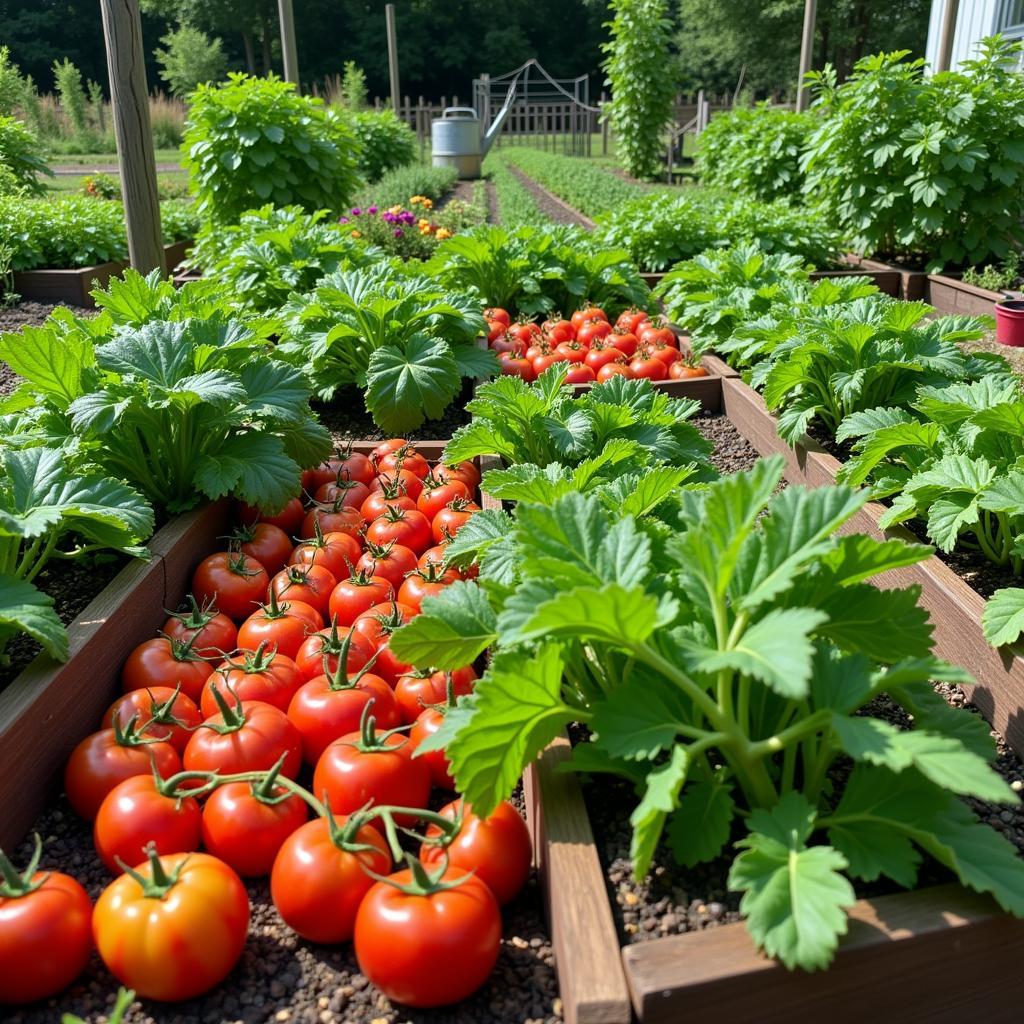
pixel 1010 322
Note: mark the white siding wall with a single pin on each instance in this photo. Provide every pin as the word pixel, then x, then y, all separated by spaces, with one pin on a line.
pixel 975 20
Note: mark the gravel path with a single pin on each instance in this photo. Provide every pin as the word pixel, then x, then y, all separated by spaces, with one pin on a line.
pixel 552 208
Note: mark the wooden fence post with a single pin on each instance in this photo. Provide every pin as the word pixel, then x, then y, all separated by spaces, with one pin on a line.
pixel 806 50
pixel 129 100
pixel 288 50
pixel 389 20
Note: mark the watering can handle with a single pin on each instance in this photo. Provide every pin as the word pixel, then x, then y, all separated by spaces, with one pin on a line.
pixel 458 110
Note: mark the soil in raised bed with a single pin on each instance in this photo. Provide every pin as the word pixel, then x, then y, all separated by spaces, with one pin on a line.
pixel 732 452
pixel 555 212
pixel 281 979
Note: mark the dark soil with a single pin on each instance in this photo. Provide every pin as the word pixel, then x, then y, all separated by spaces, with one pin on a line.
pixel 546 203
pixel 15 317
pixel 282 979
pixel 462 190
pixel 733 453
pixel 493 216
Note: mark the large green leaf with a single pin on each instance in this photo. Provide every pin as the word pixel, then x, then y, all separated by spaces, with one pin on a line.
pixel 1003 618
pixel 253 466
pixel 25 609
pixel 660 798
pixel 612 614
pixel 54 365
pixel 700 827
pixel 405 385
pixel 640 718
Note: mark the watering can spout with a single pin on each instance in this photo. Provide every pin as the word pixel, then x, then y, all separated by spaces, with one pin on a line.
pixel 492 133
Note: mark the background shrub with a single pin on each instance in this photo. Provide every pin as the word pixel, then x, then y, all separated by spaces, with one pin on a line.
pixel 398 186
pixel 20 158
pixel 190 57
pixel 755 151
pixel 384 142
pixel 255 140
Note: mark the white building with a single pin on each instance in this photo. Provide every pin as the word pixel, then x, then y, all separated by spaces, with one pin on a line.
pixel 975 20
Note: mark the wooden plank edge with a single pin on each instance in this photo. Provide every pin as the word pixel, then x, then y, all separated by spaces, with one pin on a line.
pixel 588 960
pixel 929 955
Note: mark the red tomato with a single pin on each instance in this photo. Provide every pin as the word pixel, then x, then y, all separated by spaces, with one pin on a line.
pixel 571 352
pixel 160 712
pixel 465 471
pixel 233 581
pixel 287 519
pixel 428 950
pixel 268 544
pixel 425 583
pixel 324 650
pixel 333 518
pixel 558 331
pixel 134 813
pixel 353 466
pixel 447 523
pixel 616 369
pixel 507 342
pixel 165 662
pixel 310 584
pixel 437 555
pixel 684 371
pixel 210 632
pixel 246 823
pixel 329 707
pixel 407 527
pixel 249 736
pixel 541 347
pixel 390 561
pixel 183 937
pixel 423 688
pixel 601 354
pixel 581 316
pixel 518 367
pixel 541 363
pixel 378 622
pixel 361 766
pixel 437 493
pixel 407 459
pixel 108 757
pixel 392 444
pixel 524 332
pixel 593 330
pixel 404 480
pixel 346 493
pixel 357 594
pixel 645 366
pixel 652 334
pixel 666 353
pixel 630 319
pixel 428 722
pixel 495 329
pixel 45 933
pixel 625 341
pixel 496 849
pixel 267 676
pixel 283 626
pixel 380 501
pixel 336 552
pixel 317 886
pixel 497 313
pixel 580 373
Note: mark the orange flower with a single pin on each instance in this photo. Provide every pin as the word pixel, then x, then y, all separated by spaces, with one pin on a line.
pixel 442 234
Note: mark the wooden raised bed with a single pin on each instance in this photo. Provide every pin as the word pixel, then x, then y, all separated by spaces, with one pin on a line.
pixel 49 707
pixel 888 279
pixel 954 605
pixel 74 284
pixel 913 283
pixel 951 295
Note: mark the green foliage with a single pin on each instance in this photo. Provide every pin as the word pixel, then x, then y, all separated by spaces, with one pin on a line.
pixel 189 57
pixel 996 278
pixel 588 188
pixel 396 187
pixel 636 63
pixel 273 252
pixel 383 141
pixel 532 270
pixel 72 97
pixel 20 155
pixel 393 331
pixel 101 186
pixel 254 140
pixel 928 167
pixel 660 229
pixel 412 230
pixel 755 151
pixel 718 653
pixel 353 86
pixel 76 231
pixel 12 85
pixel 183 410
pixel 516 206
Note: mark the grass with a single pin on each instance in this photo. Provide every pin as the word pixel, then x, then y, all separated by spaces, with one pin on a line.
pixel 163 156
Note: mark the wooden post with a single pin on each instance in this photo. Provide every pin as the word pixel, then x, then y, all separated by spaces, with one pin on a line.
pixel 806 49
pixel 288 51
pixel 389 18
pixel 604 127
pixel 129 102
pixel 949 12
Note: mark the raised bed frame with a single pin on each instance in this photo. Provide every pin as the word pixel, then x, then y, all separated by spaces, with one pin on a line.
pixel 951 295
pixel 74 284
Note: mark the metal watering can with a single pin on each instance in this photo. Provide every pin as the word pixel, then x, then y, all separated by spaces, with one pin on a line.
pixel 456 140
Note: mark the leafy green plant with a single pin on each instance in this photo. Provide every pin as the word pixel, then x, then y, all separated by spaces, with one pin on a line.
pixel 189 57
pixel 872 352
pixel 50 511
pixel 183 410
pixel 927 167
pixel 719 661
pixel 273 252
pixel 353 86
pixel 659 229
pixel 73 102
pixel 755 151
pixel 516 206
pixel 251 141
pixel 996 278
pixel 21 155
pixel 636 62
pixel 539 269
pixel 397 186
pixel 101 186
pixel 543 424
pixel 12 85
pixel 383 142
pixel 396 333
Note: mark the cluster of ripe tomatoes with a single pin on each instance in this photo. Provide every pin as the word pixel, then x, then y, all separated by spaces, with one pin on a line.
pixel 593 348
pixel 281 672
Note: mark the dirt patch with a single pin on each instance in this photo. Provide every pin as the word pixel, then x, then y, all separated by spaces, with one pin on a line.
pixel 493 214
pixel 552 208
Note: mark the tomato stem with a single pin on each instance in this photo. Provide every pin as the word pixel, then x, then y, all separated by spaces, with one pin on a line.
pixel 159 883
pixel 16 885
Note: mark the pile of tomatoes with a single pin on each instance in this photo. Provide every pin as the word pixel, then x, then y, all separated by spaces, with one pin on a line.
pixel 593 348
pixel 281 672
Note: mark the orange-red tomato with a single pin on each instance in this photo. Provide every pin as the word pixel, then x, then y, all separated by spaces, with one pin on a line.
pixel 447 523
pixel 649 367
pixel 437 493
pixel 333 518
pixel 419 689
pixel 391 561
pixel 617 369
pixel 210 632
pixel 343 492
pixel 336 552
pixel 165 662
pixel 268 544
pixel 581 316
pixel 684 371
pixel 283 626
pixel 425 583
pixel 233 581
pixel 357 594
pixel 265 675
pixel 288 518
pixel 310 584
pixel 425 726
pixel 160 711
pixel 321 651
pixel 407 527
pixel 250 738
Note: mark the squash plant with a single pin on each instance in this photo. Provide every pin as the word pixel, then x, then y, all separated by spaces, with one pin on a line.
pixel 720 654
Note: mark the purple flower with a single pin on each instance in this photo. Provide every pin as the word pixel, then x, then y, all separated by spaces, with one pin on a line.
pixel 372 209
pixel 398 232
pixel 356 211
pixel 406 217
pixel 389 217
pixel 343 220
